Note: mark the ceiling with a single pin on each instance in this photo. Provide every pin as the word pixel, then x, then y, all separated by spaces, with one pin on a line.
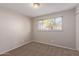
pixel 45 8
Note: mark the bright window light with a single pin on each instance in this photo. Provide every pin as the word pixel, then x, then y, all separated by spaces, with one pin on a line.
pixel 50 24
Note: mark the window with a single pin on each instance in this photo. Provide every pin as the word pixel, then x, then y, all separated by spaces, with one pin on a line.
pixel 50 24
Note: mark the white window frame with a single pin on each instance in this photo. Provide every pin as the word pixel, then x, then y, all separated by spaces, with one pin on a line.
pixel 52 29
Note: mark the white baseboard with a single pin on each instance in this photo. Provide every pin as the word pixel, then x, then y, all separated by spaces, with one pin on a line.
pixel 3 52
pixel 38 42
pixel 55 45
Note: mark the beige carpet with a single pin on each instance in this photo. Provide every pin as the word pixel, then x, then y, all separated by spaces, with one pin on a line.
pixel 39 49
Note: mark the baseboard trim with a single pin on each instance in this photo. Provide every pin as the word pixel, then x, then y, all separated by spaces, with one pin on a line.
pixel 37 42
pixel 3 52
pixel 55 45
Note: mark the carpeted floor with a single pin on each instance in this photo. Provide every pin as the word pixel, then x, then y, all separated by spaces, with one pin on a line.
pixel 39 49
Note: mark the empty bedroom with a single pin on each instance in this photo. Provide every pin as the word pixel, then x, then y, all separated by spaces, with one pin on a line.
pixel 39 29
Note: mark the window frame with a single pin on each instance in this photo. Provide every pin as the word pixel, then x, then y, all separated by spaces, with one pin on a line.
pixel 52 29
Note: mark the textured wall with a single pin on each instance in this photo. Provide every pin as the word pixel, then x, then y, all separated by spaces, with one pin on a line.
pixel 65 38
pixel 15 30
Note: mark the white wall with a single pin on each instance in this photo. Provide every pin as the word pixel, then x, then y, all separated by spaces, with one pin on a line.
pixel 65 38
pixel 15 30
pixel 77 28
